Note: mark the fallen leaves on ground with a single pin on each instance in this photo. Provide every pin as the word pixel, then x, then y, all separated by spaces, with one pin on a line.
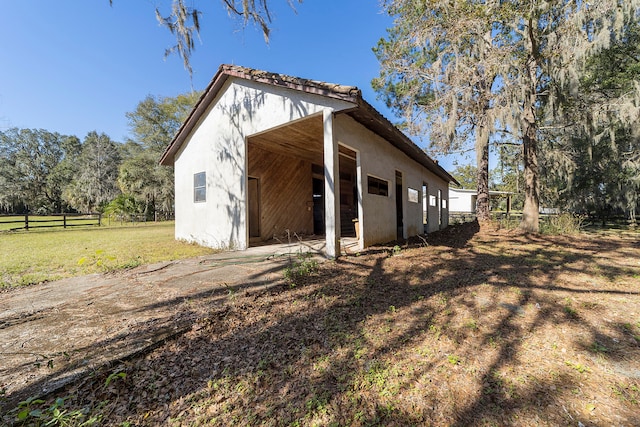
pixel 475 327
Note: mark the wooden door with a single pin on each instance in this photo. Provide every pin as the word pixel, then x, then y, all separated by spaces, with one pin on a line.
pixel 254 207
pixel 399 206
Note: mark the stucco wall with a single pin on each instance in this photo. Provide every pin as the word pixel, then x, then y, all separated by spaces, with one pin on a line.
pixel 217 146
pixel 380 159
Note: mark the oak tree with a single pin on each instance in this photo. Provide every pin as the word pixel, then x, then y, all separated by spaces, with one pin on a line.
pixel 153 124
pixel 527 54
pixel 438 71
pixel 35 166
pixel 95 183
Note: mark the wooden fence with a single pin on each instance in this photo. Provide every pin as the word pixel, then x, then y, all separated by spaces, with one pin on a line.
pixel 28 222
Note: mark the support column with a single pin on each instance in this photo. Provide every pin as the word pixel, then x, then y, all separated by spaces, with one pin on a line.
pixel 360 184
pixel 331 187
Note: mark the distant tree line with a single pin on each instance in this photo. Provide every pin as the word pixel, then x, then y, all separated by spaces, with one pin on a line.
pixel 44 172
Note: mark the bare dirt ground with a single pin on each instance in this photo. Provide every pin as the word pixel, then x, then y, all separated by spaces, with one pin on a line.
pixel 477 327
pixel 54 333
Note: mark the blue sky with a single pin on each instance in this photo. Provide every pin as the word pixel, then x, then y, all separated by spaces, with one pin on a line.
pixel 73 66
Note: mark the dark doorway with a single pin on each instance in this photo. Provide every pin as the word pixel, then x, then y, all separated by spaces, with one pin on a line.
pixel 318 206
pixel 348 192
pixel 254 207
pixel 399 204
pixel 440 209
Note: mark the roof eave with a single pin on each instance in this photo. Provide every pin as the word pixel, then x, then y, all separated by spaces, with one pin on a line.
pixel 369 117
pixel 187 126
pixel 364 113
pixel 345 93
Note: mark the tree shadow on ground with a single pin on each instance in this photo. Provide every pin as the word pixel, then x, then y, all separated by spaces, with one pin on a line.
pixel 490 329
pixel 125 331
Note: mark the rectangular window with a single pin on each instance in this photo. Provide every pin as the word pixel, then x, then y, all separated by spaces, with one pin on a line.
pixel 412 195
pixel 377 186
pixel 200 187
pixel 432 200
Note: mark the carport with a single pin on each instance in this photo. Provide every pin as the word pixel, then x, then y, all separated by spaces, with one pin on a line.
pixel 287 182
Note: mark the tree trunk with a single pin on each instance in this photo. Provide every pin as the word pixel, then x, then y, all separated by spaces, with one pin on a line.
pixel 482 163
pixel 482 137
pixel 530 215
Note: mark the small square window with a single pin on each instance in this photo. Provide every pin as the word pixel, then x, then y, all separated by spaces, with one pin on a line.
pixel 200 187
pixel 377 186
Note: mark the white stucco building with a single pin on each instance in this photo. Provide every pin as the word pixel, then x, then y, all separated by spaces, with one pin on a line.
pixel 463 200
pixel 262 153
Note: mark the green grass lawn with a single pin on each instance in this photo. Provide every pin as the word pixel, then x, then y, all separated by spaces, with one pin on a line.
pixel 34 256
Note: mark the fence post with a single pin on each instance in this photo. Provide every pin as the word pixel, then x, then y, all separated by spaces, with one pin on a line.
pixel 64 220
pixel 26 221
pixel 99 219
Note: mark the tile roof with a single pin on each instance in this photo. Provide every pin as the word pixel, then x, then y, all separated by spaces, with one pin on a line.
pixel 333 90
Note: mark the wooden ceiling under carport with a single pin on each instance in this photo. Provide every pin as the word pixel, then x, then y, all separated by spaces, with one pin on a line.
pixel 303 139
pixel 300 139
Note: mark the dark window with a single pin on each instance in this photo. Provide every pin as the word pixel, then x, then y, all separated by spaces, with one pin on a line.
pixel 200 187
pixel 378 186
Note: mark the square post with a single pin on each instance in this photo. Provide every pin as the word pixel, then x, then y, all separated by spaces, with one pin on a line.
pixel 331 187
pixel 360 185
